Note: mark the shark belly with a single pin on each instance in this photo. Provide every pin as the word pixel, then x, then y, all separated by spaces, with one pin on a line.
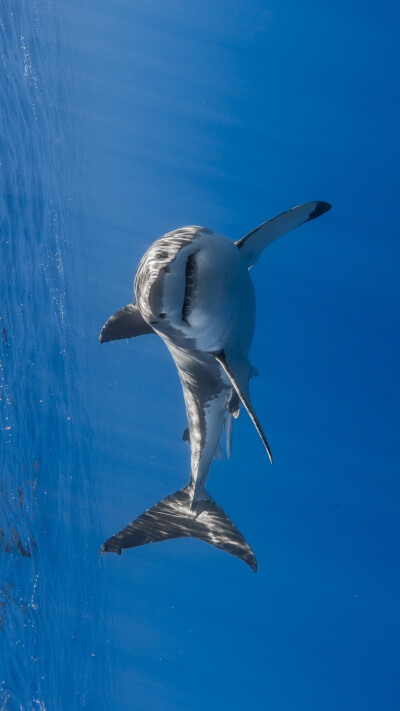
pixel 201 303
pixel 207 393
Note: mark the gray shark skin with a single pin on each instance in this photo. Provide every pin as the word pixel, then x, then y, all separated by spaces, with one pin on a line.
pixel 193 289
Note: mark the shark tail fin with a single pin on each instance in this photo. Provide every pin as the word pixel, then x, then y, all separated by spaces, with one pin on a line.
pixel 178 516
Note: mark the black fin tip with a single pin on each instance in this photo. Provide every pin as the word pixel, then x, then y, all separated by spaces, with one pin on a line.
pixel 319 209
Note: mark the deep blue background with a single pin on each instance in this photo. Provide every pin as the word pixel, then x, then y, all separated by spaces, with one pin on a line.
pixel 222 114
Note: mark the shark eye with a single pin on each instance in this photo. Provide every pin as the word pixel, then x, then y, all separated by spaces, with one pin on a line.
pixel 162 315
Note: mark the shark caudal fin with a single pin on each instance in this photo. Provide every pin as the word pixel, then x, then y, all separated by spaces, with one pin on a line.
pixel 177 517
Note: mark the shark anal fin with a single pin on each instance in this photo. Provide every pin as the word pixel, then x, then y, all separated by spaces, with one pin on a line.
pixel 177 516
pixel 252 244
pixel 125 323
pixel 236 374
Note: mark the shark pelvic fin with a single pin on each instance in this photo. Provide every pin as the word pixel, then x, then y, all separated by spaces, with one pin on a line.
pixel 228 425
pixel 177 516
pixel 239 371
pixel 252 244
pixel 125 323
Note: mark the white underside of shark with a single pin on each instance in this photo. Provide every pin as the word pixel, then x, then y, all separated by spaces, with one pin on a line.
pixel 193 289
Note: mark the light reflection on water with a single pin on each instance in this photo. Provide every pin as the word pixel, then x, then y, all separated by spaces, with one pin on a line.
pixel 52 654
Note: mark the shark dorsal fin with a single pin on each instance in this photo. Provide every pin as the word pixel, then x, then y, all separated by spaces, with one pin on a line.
pixel 239 371
pixel 252 244
pixel 125 323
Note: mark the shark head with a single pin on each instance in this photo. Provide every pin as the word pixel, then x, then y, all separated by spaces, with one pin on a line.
pixel 196 282
pixel 160 280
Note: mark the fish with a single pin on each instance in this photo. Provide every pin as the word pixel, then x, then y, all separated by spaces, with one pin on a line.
pixel 193 289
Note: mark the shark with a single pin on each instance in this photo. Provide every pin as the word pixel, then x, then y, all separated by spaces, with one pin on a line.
pixel 193 289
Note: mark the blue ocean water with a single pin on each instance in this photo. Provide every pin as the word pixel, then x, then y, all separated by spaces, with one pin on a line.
pixel 49 593
pixel 119 123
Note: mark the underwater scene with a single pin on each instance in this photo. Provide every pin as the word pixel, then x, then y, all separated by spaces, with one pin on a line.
pixel 264 587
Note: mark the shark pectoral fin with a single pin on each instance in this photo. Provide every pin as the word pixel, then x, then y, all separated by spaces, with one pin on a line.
pixel 178 516
pixel 125 323
pixel 238 371
pixel 252 244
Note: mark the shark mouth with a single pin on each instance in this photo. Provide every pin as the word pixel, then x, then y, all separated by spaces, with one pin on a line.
pixel 190 287
pixel 162 258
